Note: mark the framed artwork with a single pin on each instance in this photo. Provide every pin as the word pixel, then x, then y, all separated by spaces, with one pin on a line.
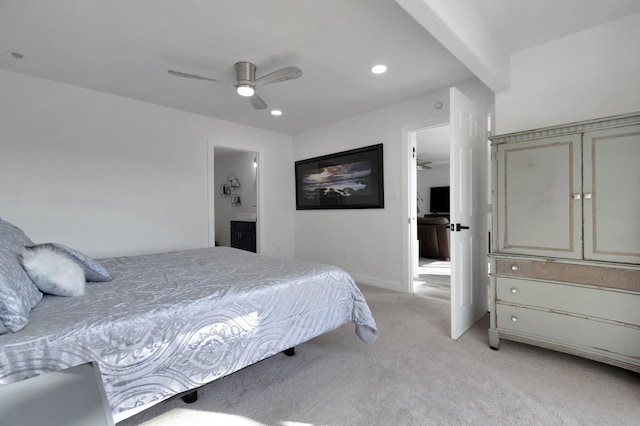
pixel 345 180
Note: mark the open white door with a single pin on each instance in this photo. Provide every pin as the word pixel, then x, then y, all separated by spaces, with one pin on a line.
pixel 469 210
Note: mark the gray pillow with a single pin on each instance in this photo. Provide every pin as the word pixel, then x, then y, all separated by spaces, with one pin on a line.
pixel 18 294
pixel 12 238
pixel 93 271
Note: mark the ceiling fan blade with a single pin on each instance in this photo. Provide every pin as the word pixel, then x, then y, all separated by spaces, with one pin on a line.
pixel 195 77
pixel 283 74
pixel 423 165
pixel 257 102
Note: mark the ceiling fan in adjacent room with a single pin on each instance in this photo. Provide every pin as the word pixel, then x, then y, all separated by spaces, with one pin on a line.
pixel 423 165
pixel 246 80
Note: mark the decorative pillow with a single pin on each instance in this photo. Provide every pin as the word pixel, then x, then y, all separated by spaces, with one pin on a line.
pixel 53 272
pixel 12 238
pixel 18 294
pixel 93 271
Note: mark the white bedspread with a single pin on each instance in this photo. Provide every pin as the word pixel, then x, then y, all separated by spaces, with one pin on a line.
pixel 172 322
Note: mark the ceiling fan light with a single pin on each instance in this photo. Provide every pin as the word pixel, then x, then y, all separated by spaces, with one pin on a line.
pixel 245 90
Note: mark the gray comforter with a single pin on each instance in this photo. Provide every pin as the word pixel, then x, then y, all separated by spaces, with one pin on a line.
pixel 171 322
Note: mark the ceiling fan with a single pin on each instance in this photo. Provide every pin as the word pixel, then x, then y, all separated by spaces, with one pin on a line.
pixel 422 165
pixel 246 80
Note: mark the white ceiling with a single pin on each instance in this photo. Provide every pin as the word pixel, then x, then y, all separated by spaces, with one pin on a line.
pixel 433 145
pixel 521 24
pixel 125 48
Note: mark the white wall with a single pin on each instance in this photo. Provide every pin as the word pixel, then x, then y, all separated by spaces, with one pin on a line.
pixel 239 164
pixel 369 243
pixel 113 176
pixel 437 176
pixel 594 73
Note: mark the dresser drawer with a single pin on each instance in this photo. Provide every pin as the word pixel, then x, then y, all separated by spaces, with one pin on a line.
pixel 544 269
pixel 562 329
pixel 580 300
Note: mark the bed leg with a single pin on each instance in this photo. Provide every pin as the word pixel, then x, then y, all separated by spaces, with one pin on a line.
pixel 290 352
pixel 190 397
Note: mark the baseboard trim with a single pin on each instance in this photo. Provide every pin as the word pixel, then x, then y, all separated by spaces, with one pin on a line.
pixel 375 282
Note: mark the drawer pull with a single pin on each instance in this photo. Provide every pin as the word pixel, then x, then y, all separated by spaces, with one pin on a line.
pixel 514 318
pixel 514 267
pixel 514 290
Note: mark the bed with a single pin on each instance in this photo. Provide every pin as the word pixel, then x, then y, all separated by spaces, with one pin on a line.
pixel 169 323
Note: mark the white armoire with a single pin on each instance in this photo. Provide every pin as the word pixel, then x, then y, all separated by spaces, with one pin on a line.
pixel 565 244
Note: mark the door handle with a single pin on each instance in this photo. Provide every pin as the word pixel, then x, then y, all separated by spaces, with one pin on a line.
pixel 457 227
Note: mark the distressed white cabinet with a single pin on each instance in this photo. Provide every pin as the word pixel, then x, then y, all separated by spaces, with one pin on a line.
pixel 565 258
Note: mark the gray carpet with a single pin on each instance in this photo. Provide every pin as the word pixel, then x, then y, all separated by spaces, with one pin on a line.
pixel 413 375
pixel 434 279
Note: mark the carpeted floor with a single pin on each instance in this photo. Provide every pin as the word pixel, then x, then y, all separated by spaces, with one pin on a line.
pixel 413 375
pixel 434 279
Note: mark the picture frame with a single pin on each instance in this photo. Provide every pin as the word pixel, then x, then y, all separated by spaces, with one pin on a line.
pixel 345 180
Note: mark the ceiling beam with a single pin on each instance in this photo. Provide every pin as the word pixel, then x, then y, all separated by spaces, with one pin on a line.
pixel 459 27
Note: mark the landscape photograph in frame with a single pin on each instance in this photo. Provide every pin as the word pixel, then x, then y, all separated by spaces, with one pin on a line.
pixel 346 180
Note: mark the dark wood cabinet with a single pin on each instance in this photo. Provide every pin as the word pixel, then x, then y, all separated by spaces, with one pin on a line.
pixel 243 235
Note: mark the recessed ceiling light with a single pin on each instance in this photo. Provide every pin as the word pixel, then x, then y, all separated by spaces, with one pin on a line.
pixel 17 55
pixel 276 112
pixel 379 69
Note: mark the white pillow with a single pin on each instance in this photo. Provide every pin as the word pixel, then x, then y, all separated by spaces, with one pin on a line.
pixel 53 272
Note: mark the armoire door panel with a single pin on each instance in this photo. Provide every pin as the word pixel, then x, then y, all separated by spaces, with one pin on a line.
pixel 539 181
pixel 612 194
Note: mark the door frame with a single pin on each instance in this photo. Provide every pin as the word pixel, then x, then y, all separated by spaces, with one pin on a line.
pixel 409 181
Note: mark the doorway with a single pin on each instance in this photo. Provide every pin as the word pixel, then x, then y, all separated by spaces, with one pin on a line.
pixel 431 259
pixel 232 192
pixel 468 210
